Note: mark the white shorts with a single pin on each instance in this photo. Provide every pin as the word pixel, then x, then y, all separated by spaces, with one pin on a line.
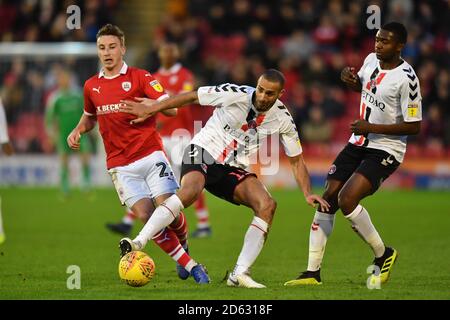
pixel 148 177
pixel 174 146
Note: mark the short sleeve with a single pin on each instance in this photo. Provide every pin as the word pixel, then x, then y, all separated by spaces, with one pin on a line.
pixel 410 97
pixel 289 137
pixel 89 108
pixel 152 88
pixel 218 96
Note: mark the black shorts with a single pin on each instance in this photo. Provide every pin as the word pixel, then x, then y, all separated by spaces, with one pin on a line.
pixel 374 164
pixel 221 180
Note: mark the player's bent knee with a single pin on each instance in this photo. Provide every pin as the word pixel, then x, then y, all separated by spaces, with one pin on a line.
pixel 267 209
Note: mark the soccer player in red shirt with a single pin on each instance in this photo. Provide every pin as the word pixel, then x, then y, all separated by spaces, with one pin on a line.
pixel 176 131
pixel 135 158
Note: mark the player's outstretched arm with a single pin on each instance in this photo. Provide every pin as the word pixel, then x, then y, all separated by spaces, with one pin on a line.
pixel 302 177
pixel 363 127
pixel 351 79
pixel 86 124
pixel 145 108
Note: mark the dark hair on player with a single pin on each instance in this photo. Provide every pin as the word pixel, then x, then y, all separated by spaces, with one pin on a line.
pixel 112 30
pixel 274 75
pixel 398 30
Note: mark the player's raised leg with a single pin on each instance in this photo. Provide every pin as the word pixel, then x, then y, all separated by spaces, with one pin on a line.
pixel 354 190
pixel 168 241
pixel 252 193
pixel 321 228
pixel 191 186
pixel 174 238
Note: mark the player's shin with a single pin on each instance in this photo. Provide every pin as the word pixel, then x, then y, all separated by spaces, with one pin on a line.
pixel 168 241
pixel 362 224
pixel 253 244
pixel 321 229
pixel 180 228
pixel 163 215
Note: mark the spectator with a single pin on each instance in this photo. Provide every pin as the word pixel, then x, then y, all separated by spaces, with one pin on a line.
pixel 317 129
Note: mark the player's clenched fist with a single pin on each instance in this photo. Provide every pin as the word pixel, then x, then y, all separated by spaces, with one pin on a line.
pixel 349 76
pixel 73 140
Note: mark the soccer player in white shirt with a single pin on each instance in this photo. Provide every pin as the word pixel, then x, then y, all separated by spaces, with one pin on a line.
pixel 8 150
pixel 218 155
pixel 390 110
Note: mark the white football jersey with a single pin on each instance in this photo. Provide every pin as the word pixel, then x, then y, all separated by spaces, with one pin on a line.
pixel 4 138
pixel 388 97
pixel 236 129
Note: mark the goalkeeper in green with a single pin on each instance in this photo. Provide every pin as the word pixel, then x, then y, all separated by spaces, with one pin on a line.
pixel 63 111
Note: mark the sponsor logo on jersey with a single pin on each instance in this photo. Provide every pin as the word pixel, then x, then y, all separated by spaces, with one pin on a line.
pixel 367 97
pixel 96 90
pixel 126 85
pixel 108 108
pixel 156 85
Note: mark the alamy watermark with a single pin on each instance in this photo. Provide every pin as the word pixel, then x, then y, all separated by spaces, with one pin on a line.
pixel 74 280
pixel 374 280
pixel 247 148
pixel 73 21
pixel 374 20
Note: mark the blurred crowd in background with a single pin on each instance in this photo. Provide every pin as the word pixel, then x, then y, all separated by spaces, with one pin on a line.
pixel 234 41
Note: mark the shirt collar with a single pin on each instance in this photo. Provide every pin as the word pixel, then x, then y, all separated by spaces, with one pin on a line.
pixel 123 70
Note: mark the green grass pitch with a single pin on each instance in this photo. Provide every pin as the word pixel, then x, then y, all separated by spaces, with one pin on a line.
pixel 46 235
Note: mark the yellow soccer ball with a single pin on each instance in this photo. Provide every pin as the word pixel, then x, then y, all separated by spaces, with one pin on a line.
pixel 136 268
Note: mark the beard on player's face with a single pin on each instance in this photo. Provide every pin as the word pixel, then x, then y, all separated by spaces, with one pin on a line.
pixel 264 105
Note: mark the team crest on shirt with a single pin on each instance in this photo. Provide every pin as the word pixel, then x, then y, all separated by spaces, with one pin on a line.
pixel 156 85
pixel 126 85
pixel 332 169
pixel 371 84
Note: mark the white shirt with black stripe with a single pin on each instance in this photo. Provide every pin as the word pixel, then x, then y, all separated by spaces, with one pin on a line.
pixel 388 97
pixel 236 130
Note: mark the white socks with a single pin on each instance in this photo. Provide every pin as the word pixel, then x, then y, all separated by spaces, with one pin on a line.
pixel 321 229
pixel 163 215
pixel 253 244
pixel 362 224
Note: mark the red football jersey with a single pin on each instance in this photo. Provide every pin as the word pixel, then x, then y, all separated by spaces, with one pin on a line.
pixel 175 80
pixel 124 143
